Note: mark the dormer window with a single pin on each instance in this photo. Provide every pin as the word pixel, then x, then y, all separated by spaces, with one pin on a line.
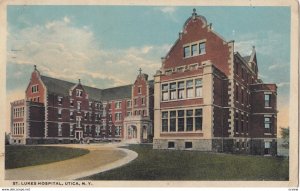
pixel 71 103
pixel 59 100
pixel 35 88
pixel 79 93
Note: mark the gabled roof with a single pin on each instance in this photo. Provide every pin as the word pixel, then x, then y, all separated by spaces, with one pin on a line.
pixel 117 92
pixel 56 86
pixel 151 83
pixel 61 87
pixel 246 58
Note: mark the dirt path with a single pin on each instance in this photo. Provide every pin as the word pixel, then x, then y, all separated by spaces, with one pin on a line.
pixel 102 157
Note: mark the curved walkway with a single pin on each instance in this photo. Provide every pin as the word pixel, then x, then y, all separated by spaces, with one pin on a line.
pixel 102 157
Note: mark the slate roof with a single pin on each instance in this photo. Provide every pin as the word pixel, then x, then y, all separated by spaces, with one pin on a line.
pixel 247 58
pixel 117 92
pixel 61 87
pixel 56 86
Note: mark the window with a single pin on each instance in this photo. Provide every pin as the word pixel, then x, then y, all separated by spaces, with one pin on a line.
pixel 78 121
pixel 242 96
pixel 128 103
pixel 71 130
pixel 172 120
pixel 202 48
pixel 194 49
pixel 139 90
pixel 267 124
pixel 86 115
pixel 180 69
pixel 198 119
pixel 135 102
pixel 118 116
pixel 71 115
pixel 165 88
pixel 34 88
pixel 171 144
pixel 267 100
pixel 164 121
pixel 193 67
pixel 128 113
pixel 117 130
pixel 118 105
pixel 172 91
pixel 242 123
pixel 79 93
pixel 188 145
pixel 198 83
pixel 143 101
pixel 236 123
pixel 59 113
pixel 59 130
pixel 189 120
pixel 168 72
pixel 90 104
pixel 189 88
pixel 59 100
pixel 236 92
pixel 71 103
pixel 187 51
pixel 180 125
pixel 180 86
pixel 78 105
pixel 267 148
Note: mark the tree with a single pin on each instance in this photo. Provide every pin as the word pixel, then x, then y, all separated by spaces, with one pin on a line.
pixel 285 135
pixel 7 137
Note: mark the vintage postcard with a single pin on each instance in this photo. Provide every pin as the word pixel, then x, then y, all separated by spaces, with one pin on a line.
pixel 171 94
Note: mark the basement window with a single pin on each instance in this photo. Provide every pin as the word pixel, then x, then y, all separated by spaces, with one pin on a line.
pixel 171 145
pixel 188 145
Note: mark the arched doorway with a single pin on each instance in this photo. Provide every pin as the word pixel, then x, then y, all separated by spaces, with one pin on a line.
pixel 145 133
pixel 132 132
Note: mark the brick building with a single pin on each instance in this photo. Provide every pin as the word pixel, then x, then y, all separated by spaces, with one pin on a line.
pixel 57 111
pixel 206 96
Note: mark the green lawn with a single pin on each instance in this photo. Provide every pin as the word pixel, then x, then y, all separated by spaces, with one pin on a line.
pixel 21 156
pixel 192 165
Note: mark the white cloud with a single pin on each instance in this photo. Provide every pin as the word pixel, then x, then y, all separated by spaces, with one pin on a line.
pixel 267 43
pixel 277 66
pixel 282 84
pixel 63 51
pixel 168 10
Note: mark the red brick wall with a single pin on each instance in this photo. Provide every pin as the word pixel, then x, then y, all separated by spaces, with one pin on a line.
pixel 140 82
pixel 258 130
pixel 220 115
pixel 186 74
pixel 36 120
pixel 216 50
pixel 187 102
pixel 35 80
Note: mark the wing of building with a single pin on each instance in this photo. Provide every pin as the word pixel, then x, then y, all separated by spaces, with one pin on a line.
pixel 205 96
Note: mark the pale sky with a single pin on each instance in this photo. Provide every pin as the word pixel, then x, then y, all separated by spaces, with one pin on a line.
pixel 105 45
